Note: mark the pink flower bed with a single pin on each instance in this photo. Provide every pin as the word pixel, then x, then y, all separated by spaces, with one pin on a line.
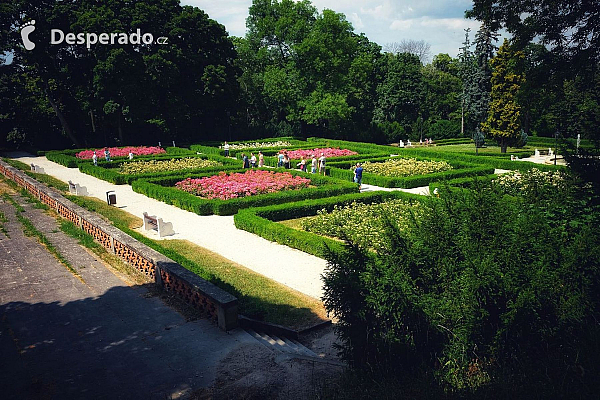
pixel 250 183
pixel 121 152
pixel 329 152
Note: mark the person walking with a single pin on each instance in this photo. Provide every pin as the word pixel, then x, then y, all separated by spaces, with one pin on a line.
pixel 313 164
pixel 302 164
pixel 358 171
pixel 246 161
pixel 130 155
pixel 322 164
pixel 106 154
pixel 252 160
pixel 261 159
pixel 280 160
pixel 286 161
pixel 95 158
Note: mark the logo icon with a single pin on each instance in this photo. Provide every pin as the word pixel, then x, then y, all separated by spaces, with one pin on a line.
pixel 25 31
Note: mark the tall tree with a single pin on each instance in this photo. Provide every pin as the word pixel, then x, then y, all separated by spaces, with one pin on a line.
pixel 304 71
pixel 419 48
pixel 399 95
pixel 136 92
pixel 503 122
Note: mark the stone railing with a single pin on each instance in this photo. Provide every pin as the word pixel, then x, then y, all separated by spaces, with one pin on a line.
pixel 213 302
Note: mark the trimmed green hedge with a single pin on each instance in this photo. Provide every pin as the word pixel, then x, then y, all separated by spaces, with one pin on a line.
pixel 263 221
pixel 342 171
pixel 67 157
pixel 163 189
pixel 109 171
pixel 496 162
pixel 62 158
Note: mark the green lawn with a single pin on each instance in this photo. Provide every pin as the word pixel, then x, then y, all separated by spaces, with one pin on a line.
pixel 259 297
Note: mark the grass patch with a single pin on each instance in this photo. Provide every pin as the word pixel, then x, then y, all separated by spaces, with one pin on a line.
pixel 259 297
pixel 30 230
pixel 295 223
pixel 87 240
pixel 42 178
pixel 3 219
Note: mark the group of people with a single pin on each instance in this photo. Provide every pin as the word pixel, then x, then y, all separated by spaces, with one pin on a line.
pixel 251 162
pixel 107 156
pixel 284 161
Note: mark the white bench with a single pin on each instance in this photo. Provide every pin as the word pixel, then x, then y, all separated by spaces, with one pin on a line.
pixel 157 224
pixel 37 169
pixel 76 189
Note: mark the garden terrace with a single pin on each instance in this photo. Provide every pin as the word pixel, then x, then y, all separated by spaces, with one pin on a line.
pixel 265 221
pixel 495 162
pixel 111 171
pixel 343 170
pixel 164 189
pixel 68 157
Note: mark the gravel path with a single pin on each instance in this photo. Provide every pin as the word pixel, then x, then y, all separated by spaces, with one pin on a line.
pixel 291 267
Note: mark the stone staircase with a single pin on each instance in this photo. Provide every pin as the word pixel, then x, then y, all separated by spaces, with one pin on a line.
pixel 289 347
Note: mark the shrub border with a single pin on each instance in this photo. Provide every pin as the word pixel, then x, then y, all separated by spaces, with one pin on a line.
pixel 263 221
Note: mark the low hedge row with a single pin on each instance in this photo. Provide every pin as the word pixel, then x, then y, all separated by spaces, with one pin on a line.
pixel 67 157
pixel 263 221
pixel 163 189
pixel 410 181
pixel 496 162
pixel 59 157
pixel 342 170
pixel 110 171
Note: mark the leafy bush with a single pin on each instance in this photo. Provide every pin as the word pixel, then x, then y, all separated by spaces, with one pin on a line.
pixel 444 129
pixel 483 290
pixel 362 223
pixel 66 160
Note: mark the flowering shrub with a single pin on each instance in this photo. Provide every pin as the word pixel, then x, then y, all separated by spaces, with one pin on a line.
pixel 328 152
pixel 230 186
pixel 121 152
pixel 176 164
pixel 256 145
pixel 362 223
pixel 400 167
pixel 530 182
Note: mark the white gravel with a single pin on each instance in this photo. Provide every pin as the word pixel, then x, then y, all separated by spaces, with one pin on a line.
pixel 291 267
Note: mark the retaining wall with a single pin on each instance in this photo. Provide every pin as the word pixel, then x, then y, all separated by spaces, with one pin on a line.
pixel 213 302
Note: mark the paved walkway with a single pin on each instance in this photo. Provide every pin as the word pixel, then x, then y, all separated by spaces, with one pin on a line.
pixel 291 267
pixel 97 335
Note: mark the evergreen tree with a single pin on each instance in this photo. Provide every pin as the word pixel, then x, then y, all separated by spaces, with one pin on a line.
pixel 484 51
pixel 466 74
pixel 503 122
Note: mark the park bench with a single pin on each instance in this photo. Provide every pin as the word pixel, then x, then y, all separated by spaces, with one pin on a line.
pixel 157 224
pixel 76 189
pixel 37 169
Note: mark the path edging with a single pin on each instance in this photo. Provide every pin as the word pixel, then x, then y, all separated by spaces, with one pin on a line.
pixel 214 303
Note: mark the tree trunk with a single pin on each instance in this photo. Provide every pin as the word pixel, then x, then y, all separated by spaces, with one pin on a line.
pixel 120 127
pixel 503 146
pixel 62 119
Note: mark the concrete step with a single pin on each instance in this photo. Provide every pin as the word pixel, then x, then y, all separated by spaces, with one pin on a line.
pixel 282 345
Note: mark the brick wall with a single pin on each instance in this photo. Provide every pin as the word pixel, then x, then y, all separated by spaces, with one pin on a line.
pixel 214 303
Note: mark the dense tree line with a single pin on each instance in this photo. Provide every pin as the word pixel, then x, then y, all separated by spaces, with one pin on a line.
pixel 297 71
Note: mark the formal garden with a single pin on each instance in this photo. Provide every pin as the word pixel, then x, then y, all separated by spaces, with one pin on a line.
pixel 484 285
